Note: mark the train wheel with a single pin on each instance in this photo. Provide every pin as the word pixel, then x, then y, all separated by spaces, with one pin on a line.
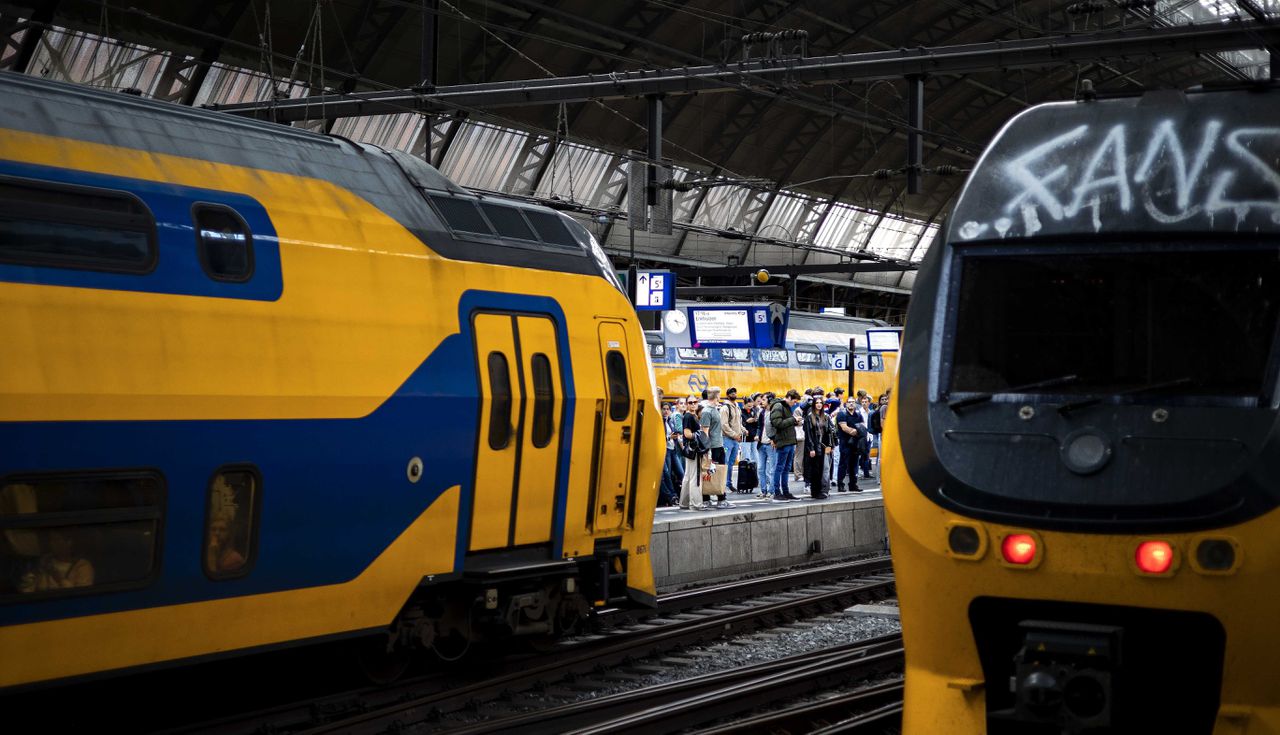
pixel 380 663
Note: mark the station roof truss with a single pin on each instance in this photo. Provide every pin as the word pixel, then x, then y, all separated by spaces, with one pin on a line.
pixel 796 141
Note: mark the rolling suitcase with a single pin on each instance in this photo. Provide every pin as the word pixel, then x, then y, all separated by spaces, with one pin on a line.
pixel 748 478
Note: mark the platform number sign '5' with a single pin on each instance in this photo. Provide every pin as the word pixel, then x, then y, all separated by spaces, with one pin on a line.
pixel 655 290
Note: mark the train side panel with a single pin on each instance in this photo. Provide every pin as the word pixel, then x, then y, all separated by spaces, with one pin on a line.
pixel 362 360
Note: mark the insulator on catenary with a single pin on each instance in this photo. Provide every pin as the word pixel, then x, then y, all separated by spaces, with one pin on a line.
pixel 883 173
pixel 945 170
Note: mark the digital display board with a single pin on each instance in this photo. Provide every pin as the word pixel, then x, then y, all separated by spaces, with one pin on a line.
pixel 720 327
pixel 883 340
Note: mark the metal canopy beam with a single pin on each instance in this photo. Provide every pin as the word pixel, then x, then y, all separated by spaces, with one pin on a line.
pixel 780 75
pixel 792 270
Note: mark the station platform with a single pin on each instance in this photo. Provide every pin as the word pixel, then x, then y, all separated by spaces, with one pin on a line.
pixel 757 535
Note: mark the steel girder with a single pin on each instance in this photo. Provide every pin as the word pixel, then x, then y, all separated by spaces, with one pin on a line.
pixel 961 59
pixel 183 74
pixel 19 37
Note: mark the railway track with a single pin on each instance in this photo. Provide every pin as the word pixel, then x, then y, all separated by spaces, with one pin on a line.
pixel 680 619
pixel 691 702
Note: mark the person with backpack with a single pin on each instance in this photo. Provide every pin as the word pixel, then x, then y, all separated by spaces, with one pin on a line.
pixel 864 445
pixel 697 454
pixel 875 426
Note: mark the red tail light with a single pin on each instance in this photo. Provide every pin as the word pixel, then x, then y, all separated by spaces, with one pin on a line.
pixel 1154 557
pixel 1018 548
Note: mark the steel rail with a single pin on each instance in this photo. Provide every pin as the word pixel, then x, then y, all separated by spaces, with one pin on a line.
pixel 724 701
pixel 616 648
pixel 296 715
pixel 742 588
pixel 811 715
pixel 866 656
pixel 875 721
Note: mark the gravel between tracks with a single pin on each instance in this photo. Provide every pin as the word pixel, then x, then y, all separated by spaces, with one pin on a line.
pixel 765 645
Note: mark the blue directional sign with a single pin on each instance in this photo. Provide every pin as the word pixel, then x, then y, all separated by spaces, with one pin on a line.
pixel 762 326
pixel 655 291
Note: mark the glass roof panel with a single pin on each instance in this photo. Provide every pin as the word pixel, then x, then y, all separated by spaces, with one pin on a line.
pixel 894 237
pixel 845 227
pixel 389 131
pixel 482 156
pixel 575 173
pixel 930 233
pixel 722 206
pixel 782 221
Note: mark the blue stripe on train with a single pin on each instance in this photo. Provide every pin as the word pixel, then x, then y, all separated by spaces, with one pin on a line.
pixel 334 494
pixel 178 269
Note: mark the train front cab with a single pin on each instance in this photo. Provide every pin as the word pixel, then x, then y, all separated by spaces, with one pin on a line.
pixel 1080 475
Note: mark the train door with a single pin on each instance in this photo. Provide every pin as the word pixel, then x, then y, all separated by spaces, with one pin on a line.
pixel 540 445
pixel 496 459
pixel 615 424
pixel 521 406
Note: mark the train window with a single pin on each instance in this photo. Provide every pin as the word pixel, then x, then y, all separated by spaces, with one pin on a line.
pixel 615 367
pixel 226 245
pixel 500 401
pixel 508 221
pixel 461 215
pixel 693 353
pixel 544 400
pixel 875 363
pixel 46 224
pixel 777 357
pixel 808 358
pixel 231 520
pixel 736 354
pixel 1117 322
pixel 551 229
pixel 657 350
pixel 68 534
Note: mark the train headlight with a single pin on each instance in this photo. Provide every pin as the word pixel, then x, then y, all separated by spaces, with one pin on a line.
pixel 1215 555
pixel 965 541
pixel 1154 557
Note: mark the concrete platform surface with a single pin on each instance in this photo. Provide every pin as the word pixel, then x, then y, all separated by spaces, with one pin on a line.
pixel 759 535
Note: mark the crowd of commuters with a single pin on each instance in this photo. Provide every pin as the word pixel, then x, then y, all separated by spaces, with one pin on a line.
pixel 723 444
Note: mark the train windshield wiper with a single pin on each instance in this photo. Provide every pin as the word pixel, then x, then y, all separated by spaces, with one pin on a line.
pixel 1149 387
pixel 958 404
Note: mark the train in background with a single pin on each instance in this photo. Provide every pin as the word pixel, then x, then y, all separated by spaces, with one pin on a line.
pixel 815 354
pixel 1080 469
pixel 264 387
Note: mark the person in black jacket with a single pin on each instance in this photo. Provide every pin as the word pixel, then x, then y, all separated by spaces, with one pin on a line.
pixel 850 430
pixel 817 444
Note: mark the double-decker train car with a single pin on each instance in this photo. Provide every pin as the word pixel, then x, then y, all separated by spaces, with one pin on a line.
pixel 1081 466
pixel 262 386
pixel 816 354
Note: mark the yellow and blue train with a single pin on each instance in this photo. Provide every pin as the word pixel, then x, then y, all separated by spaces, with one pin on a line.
pixel 1081 467
pixel 262 386
pixel 815 354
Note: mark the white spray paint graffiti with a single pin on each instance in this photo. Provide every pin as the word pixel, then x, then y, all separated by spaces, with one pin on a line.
pixel 1179 175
